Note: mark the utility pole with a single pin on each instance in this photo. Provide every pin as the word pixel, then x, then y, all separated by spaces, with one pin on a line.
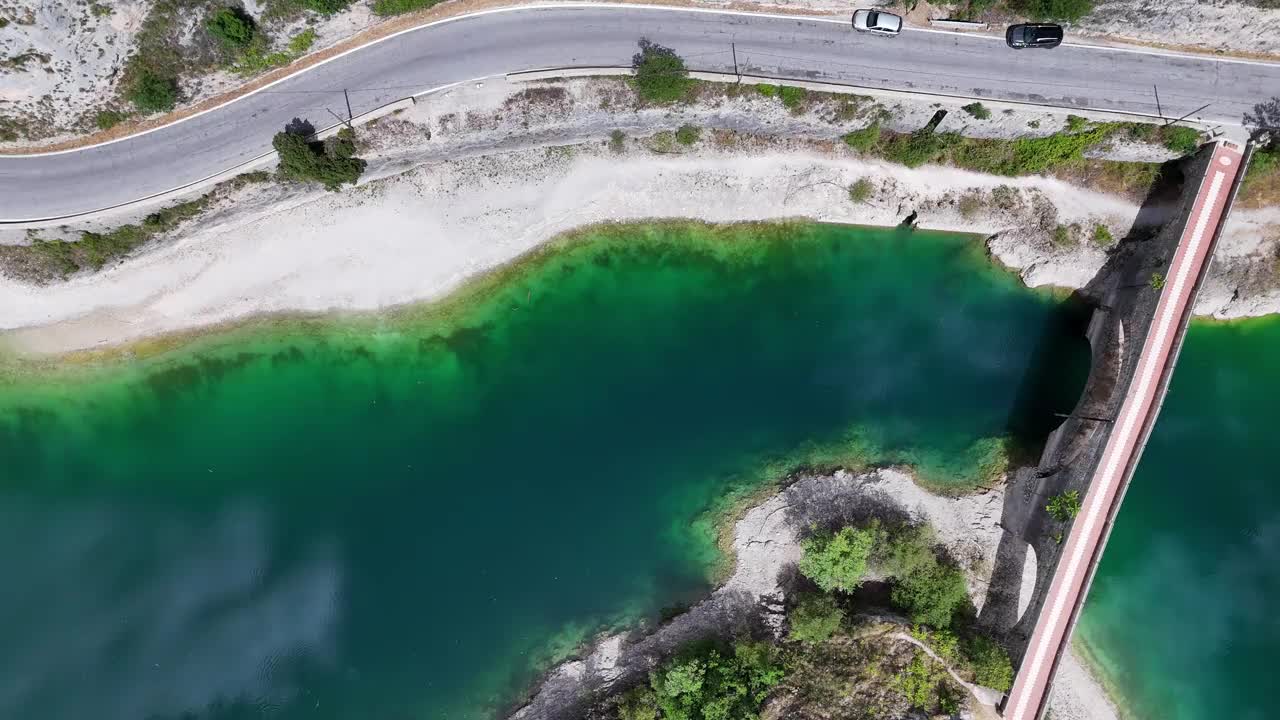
pixel 350 116
pixel 1159 110
pixel 734 46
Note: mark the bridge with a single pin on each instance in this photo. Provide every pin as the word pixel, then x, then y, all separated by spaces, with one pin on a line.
pixel 1145 297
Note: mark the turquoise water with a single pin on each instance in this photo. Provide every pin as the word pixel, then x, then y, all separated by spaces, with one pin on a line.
pixel 1183 612
pixel 405 517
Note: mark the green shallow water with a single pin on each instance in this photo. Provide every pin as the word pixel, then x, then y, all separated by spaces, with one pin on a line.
pixel 1182 615
pixel 405 517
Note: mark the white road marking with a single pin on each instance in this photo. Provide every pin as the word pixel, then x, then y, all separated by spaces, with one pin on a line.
pixel 1130 424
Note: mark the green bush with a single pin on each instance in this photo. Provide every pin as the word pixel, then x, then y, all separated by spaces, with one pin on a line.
pixel 793 98
pixel 767 90
pixel 920 147
pixel 932 594
pixel 152 92
pixel 815 619
pixel 991 664
pixel 688 134
pixel 107 119
pixel 331 163
pixel 660 74
pixel 838 561
pixel 861 190
pixel 865 139
pixel 1182 140
pixel 617 141
pixel 704 685
pixel 1102 236
pixel 299 44
pixel 326 7
pixel 1075 123
pixel 977 110
pixel 1064 506
pixel 232 26
pixel 399 7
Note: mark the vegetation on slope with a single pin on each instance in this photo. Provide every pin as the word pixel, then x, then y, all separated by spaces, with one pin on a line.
pixel 835 662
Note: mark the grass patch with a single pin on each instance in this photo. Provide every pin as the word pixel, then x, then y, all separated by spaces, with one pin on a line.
pixel 47 260
pixel 767 90
pixel 617 141
pixel 1261 184
pixel 863 140
pixel 107 119
pixel 793 98
pixel 688 134
pixel 399 7
pixel 977 110
pixel 860 191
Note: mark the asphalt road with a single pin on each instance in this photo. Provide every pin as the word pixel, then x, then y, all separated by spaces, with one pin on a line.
pixel 65 184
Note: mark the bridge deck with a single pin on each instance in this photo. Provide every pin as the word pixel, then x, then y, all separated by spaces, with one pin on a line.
pixel 1137 413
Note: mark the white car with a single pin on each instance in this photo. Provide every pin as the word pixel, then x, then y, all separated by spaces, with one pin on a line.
pixel 875 21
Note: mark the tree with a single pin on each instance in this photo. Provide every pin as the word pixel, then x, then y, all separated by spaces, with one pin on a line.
pixel 815 619
pixel 838 562
pixel 152 92
pixel 331 163
pixel 991 664
pixel 232 26
pixel 660 74
pixel 705 685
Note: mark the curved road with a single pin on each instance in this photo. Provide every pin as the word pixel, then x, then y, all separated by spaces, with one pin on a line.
pixel 59 185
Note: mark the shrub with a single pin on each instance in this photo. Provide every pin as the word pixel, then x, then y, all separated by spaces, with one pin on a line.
pixel 331 163
pixel 399 7
pixel 920 147
pixel 861 190
pixel 932 594
pixel 1075 123
pixel 302 42
pixel 971 203
pixel 1157 280
pixel 815 619
pixel 1062 235
pixel 1182 140
pixel 151 92
pixel 991 664
pixel 660 74
pixel 107 119
pixel 707 686
pixel 1064 506
pixel 1101 235
pixel 326 7
pixel 617 141
pixel 793 98
pixel 767 90
pixel 977 110
pixel 864 139
pixel 232 26
pixel 688 134
pixel 838 561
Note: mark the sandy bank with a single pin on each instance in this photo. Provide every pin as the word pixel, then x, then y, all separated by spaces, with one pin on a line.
pixel 766 548
pixel 419 235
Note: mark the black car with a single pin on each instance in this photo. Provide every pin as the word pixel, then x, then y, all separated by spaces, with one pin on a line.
pixel 1037 36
